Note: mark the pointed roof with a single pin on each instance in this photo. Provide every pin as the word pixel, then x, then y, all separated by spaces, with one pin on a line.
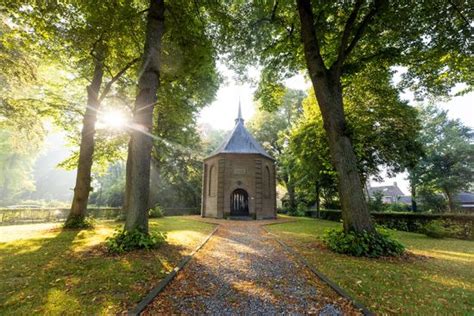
pixel 239 141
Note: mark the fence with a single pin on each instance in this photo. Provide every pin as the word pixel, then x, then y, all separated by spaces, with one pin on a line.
pixel 42 215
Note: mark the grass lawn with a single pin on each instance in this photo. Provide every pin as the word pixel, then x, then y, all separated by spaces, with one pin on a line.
pixel 438 282
pixel 48 271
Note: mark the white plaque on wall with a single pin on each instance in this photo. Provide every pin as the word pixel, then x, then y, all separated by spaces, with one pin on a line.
pixel 240 171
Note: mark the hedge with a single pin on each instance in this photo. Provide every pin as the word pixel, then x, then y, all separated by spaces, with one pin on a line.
pixel 463 224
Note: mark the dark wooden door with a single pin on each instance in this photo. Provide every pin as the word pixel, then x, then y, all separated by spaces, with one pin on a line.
pixel 239 203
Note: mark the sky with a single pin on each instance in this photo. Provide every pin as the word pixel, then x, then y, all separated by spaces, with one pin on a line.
pixel 223 111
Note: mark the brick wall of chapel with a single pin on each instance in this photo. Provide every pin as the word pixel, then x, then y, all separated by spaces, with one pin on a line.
pixel 253 173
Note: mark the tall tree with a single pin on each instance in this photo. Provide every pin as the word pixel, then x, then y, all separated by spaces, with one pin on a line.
pixel 332 40
pixel 448 162
pixel 187 79
pixel 382 128
pixel 92 48
pixel 96 92
pixel 139 153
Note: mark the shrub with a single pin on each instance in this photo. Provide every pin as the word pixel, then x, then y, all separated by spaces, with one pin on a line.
pixel 365 244
pixel 397 207
pixel 435 229
pixel 430 201
pixel 123 241
pixel 156 212
pixel 300 210
pixel 79 223
pixel 281 210
pixel 458 225
pixel 376 202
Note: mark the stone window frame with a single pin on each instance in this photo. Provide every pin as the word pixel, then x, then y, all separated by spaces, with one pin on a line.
pixel 211 173
pixel 267 179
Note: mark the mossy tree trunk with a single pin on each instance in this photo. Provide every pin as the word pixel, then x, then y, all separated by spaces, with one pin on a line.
pixel 140 146
pixel 86 149
pixel 327 86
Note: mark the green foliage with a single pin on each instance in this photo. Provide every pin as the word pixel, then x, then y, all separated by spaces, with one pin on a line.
pixel 299 211
pixel 430 201
pixel 435 229
pixel 156 212
pixel 447 166
pixel 376 202
pixel 18 151
pixel 383 129
pixel 378 244
pixel 397 207
pixel 123 241
pixel 457 226
pixel 109 187
pixel 398 34
pixel 80 222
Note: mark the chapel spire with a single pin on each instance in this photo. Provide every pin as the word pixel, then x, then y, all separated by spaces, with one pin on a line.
pixel 239 115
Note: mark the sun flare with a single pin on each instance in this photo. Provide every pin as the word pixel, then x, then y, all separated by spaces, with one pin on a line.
pixel 112 119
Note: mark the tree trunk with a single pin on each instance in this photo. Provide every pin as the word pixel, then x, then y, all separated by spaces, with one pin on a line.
pixel 128 169
pixel 291 196
pixel 328 89
pixel 139 155
pixel 414 206
pixel 86 150
pixel 451 203
pixel 155 182
pixel 318 199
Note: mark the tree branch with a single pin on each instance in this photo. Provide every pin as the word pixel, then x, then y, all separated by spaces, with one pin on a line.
pixel 109 84
pixel 363 25
pixel 347 31
pixel 275 6
pixel 456 8
pixel 310 40
pixel 270 19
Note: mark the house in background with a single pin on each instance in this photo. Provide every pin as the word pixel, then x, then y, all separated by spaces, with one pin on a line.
pixel 391 194
pixel 466 201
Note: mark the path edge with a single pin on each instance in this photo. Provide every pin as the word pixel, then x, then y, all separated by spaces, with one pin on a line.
pixel 321 276
pixel 140 307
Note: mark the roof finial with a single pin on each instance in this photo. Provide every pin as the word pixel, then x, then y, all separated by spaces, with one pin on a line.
pixel 239 115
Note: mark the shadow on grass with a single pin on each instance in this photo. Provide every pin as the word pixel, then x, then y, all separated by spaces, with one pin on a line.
pixel 437 282
pixel 50 275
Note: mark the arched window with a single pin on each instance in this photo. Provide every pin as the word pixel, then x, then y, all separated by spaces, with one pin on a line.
pixel 266 182
pixel 212 181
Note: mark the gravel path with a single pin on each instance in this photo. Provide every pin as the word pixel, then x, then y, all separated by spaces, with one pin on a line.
pixel 243 270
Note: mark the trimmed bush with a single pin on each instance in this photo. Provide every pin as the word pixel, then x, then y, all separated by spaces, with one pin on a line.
pixel 435 229
pixel 397 207
pixel 458 225
pixel 378 244
pixel 124 241
pixel 156 212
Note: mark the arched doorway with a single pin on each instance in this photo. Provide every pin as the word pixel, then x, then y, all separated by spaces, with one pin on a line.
pixel 239 203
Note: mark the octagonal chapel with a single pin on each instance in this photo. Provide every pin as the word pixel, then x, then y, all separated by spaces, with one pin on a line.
pixel 239 178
